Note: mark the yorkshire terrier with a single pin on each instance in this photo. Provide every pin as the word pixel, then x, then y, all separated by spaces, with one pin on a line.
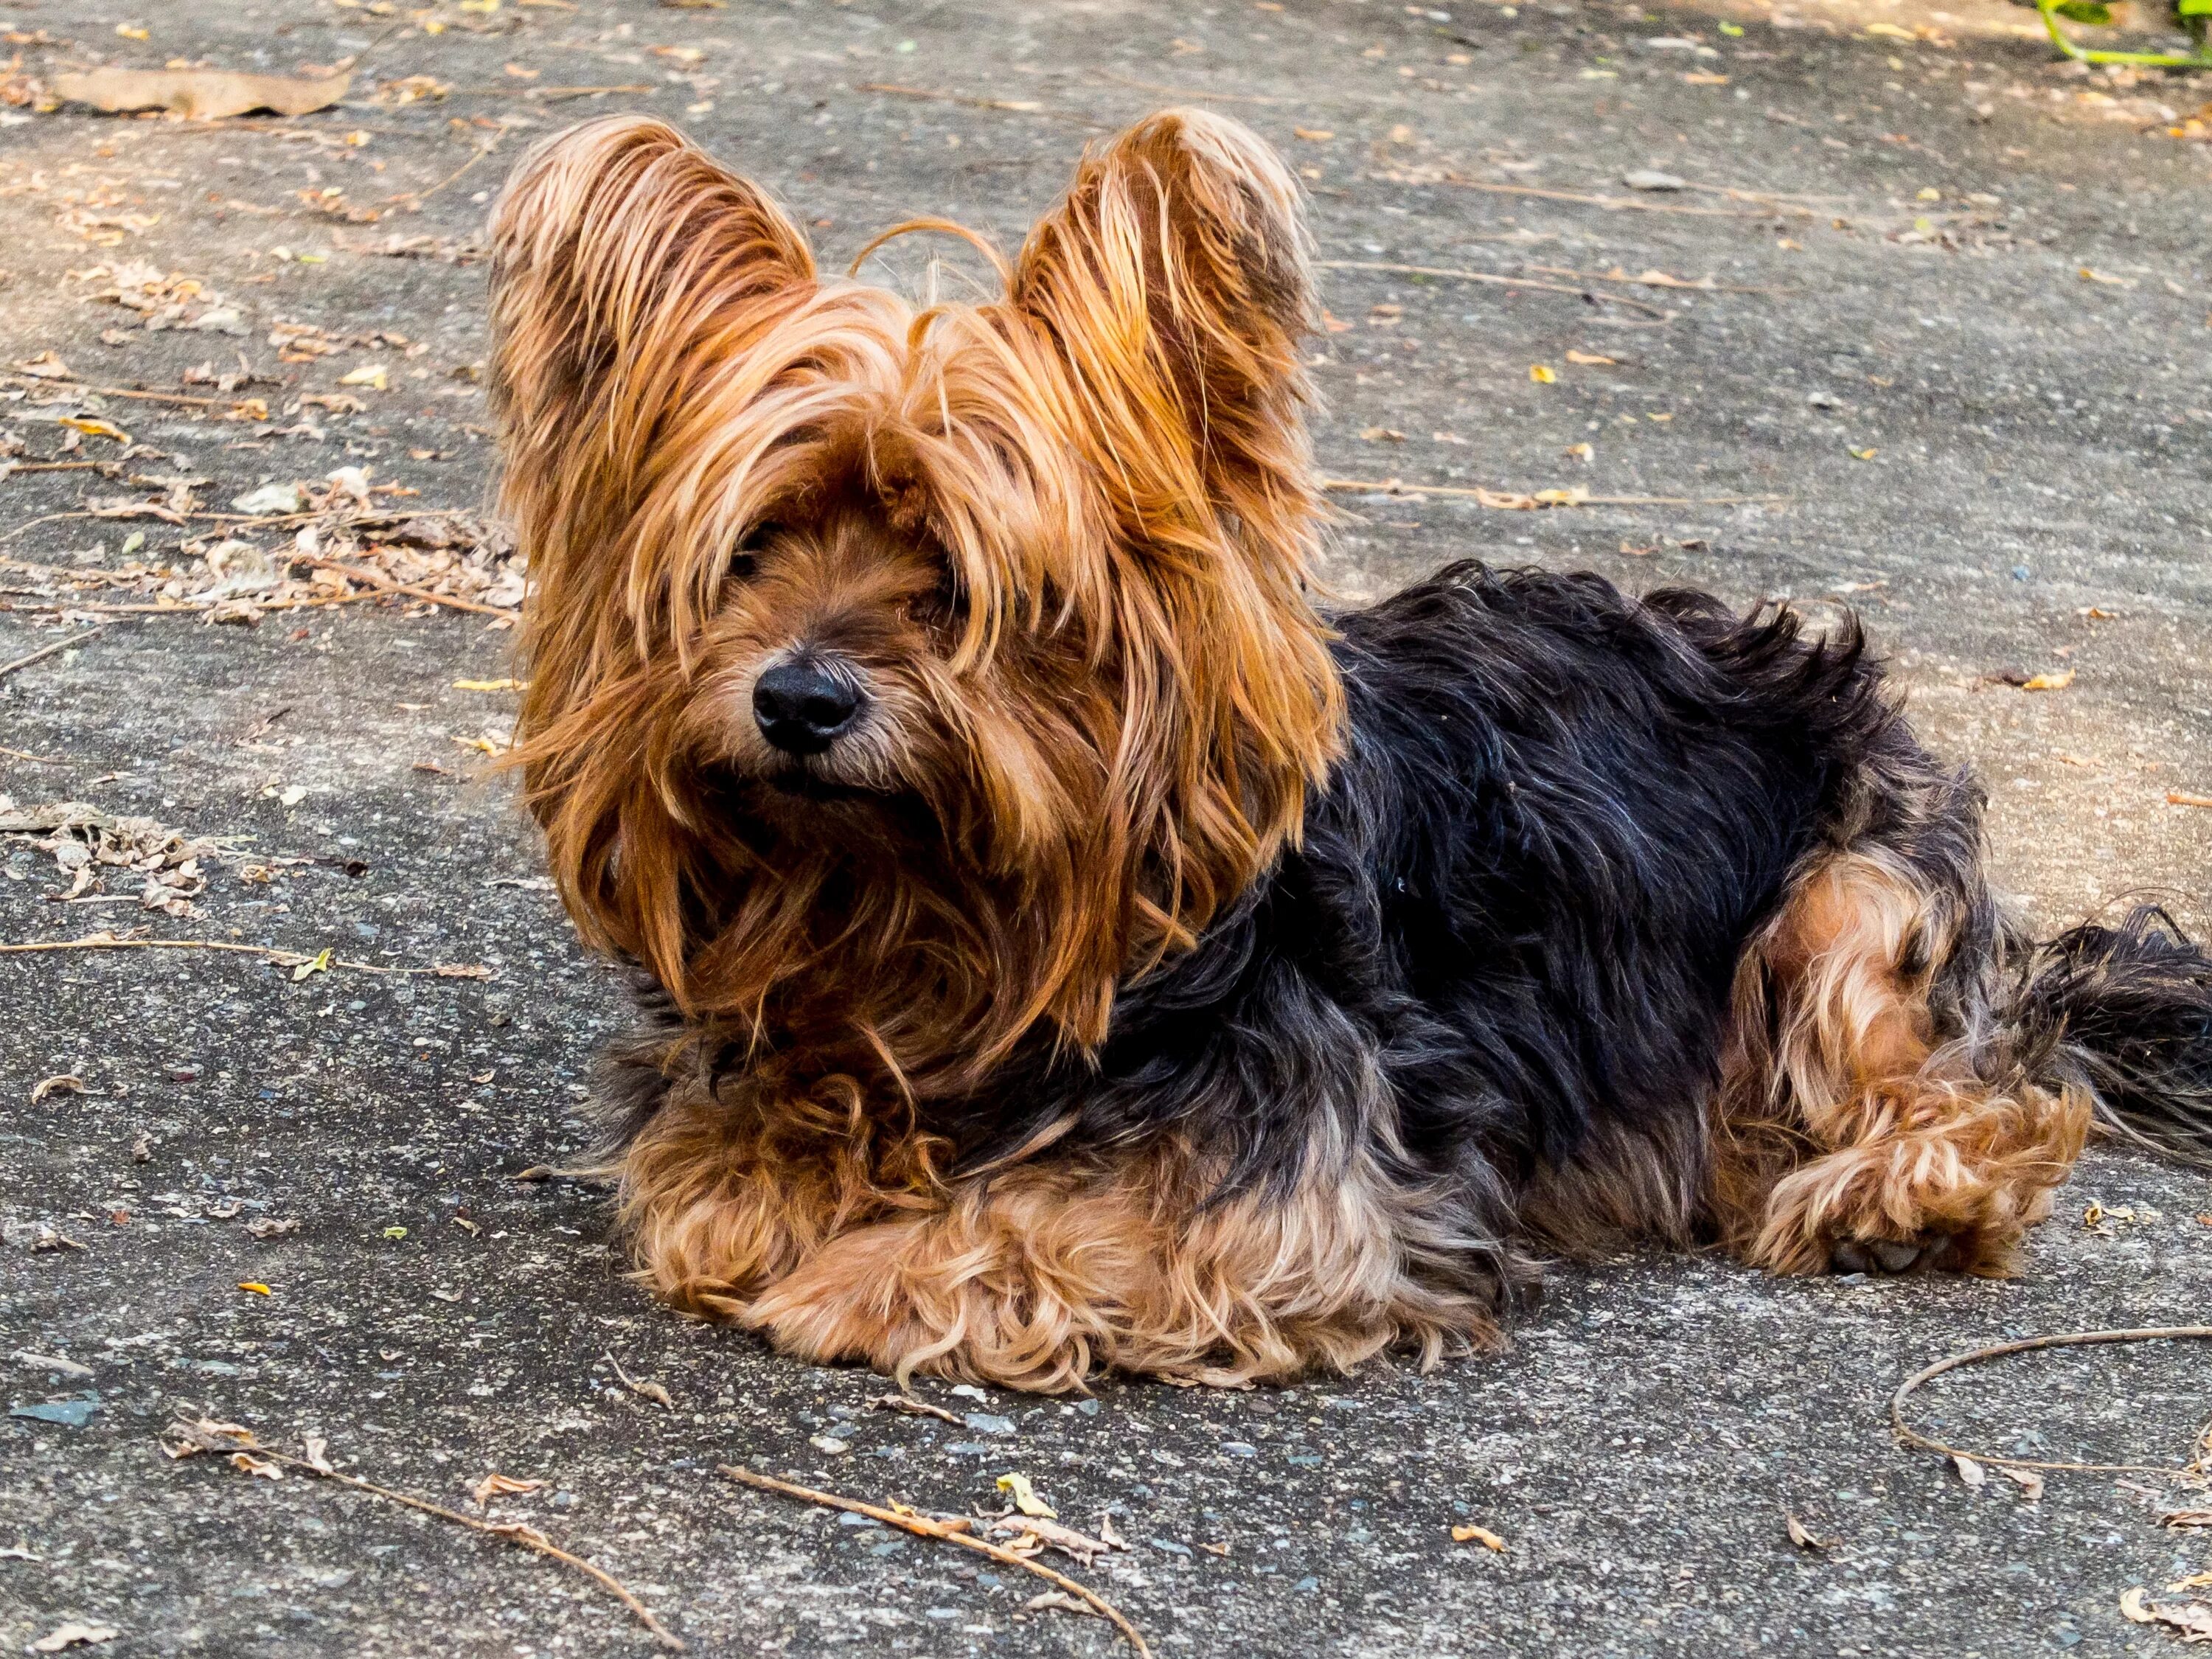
pixel 1064 946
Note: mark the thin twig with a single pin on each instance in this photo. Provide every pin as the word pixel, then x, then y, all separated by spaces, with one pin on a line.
pixel 199 607
pixel 1912 1436
pixel 125 392
pixel 1486 277
pixel 1615 203
pixel 29 759
pixel 1017 106
pixel 1659 280
pixel 912 1408
pixel 922 1527
pixel 1205 97
pixel 229 1437
pixel 354 572
pixel 43 652
pixel 420 197
pixel 1394 487
pixel 17 467
pixel 268 953
pixel 265 520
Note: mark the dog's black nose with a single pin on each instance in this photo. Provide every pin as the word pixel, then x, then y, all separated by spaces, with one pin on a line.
pixel 801 710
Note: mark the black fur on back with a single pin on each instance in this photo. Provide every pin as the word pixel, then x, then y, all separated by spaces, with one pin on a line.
pixel 1519 908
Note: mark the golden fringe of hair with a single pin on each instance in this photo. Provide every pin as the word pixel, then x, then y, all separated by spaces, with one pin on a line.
pixel 1842 1118
pixel 1040 1277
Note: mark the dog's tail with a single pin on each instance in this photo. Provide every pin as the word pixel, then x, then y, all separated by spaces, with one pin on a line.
pixel 2126 1011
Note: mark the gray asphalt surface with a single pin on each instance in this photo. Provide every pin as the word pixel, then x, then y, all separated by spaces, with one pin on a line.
pixel 1961 326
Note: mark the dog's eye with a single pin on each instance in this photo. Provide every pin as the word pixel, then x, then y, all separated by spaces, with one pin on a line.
pixel 946 601
pixel 744 557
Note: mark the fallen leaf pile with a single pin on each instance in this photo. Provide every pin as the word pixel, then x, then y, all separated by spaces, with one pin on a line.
pixel 350 546
pixel 162 300
pixel 86 844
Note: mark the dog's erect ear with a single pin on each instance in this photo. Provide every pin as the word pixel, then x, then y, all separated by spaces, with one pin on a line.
pixel 1173 279
pixel 628 269
pixel 615 247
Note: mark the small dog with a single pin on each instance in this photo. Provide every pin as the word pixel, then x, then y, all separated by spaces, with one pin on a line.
pixel 1065 947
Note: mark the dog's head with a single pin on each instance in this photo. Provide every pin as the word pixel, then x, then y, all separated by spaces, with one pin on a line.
pixel 910 675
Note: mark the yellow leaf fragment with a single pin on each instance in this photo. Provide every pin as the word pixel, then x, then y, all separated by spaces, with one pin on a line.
pixel 2048 682
pixel 95 428
pixel 1471 1534
pixel 1541 374
pixel 255 1286
pixel 1018 1487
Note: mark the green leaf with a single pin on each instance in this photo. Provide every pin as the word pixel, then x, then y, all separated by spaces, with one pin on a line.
pixel 2193 9
pixel 2084 11
pixel 318 964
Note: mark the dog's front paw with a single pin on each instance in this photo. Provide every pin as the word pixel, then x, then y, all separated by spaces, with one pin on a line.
pixel 877 1297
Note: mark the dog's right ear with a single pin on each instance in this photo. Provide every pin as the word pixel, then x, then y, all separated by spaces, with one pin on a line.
pixel 628 272
pixel 618 248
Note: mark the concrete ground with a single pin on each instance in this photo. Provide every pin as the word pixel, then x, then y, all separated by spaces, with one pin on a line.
pixel 1957 343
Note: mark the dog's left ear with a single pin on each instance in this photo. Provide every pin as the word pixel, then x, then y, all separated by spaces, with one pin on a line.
pixel 622 255
pixel 1173 280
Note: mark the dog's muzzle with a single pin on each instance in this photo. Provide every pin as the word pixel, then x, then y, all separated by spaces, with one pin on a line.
pixel 802 706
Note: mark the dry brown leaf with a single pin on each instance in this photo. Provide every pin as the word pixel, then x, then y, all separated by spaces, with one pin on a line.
pixel 200 94
pixel 1041 1531
pixel 2048 682
pixel 1969 1471
pixel 258 1466
pixel 2191 1620
pixel 494 1485
pixel 73 1635
pixel 1800 1534
pixel 2029 1482
pixel 1471 1534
